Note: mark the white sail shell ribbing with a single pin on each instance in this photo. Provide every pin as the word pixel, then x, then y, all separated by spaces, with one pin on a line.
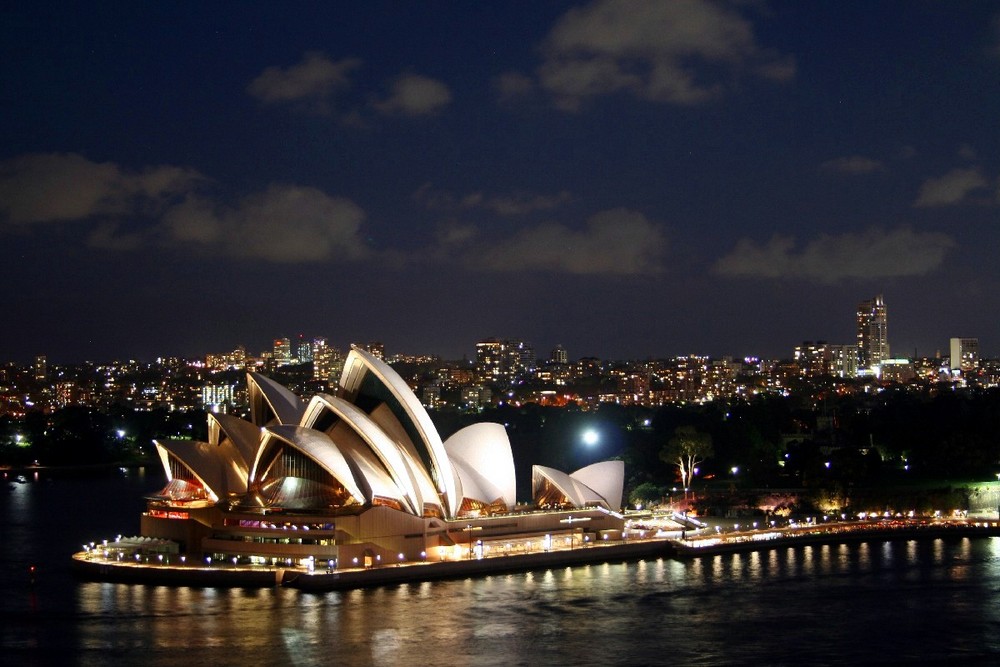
pixel 360 362
pixel 387 451
pixel 216 467
pixel 267 396
pixel 577 488
pixel 484 459
pixel 315 445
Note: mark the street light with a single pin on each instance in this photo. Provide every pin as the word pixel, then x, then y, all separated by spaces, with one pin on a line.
pixel 590 437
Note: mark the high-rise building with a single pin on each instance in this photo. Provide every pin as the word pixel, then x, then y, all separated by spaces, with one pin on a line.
pixel 873 341
pixel 559 355
pixel 326 360
pixel 964 354
pixel 843 360
pixel 303 351
pixel 282 352
pixel 813 359
pixel 501 361
pixel 41 367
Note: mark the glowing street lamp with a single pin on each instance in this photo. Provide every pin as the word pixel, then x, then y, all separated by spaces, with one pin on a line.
pixel 590 437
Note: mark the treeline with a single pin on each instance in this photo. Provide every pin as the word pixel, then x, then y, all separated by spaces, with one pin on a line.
pixel 818 440
pixel 81 435
pixel 826 440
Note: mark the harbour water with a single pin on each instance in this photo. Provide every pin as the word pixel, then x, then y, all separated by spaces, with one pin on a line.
pixel 876 602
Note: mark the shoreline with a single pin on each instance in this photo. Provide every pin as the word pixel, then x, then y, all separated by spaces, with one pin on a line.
pixel 87 566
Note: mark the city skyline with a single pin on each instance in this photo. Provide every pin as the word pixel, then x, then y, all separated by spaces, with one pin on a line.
pixel 625 179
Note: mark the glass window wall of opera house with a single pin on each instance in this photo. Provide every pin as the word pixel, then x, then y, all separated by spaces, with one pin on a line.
pixel 360 477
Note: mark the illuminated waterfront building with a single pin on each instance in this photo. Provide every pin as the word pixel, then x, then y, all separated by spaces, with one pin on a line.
pixel 361 475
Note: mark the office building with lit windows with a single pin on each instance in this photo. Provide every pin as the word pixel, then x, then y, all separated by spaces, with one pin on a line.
pixel 873 340
pixel 282 352
pixel 964 354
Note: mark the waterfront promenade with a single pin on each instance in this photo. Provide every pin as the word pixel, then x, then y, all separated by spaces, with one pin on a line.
pixel 93 565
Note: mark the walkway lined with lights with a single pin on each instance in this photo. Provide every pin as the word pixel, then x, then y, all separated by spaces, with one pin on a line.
pixel 99 563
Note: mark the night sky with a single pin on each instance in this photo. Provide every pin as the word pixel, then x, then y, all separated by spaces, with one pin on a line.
pixel 628 179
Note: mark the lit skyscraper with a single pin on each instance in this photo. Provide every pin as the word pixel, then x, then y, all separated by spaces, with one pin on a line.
pixel 964 354
pixel 324 359
pixel 304 350
pixel 282 352
pixel 41 367
pixel 873 341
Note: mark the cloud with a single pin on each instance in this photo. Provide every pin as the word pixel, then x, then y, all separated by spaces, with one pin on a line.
pixel 53 187
pixel 314 79
pixel 830 259
pixel 853 164
pixel 515 204
pixel 312 82
pixel 415 95
pixel 512 85
pixel 165 205
pixel 283 224
pixel 681 52
pixel 952 188
pixel 617 241
pixel 107 236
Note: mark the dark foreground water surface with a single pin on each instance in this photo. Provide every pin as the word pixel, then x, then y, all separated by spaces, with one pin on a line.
pixel 877 602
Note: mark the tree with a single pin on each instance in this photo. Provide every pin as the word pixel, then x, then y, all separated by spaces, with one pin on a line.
pixel 686 450
pixel 646 493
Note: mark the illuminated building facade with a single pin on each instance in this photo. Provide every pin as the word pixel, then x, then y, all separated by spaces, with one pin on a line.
pixel 873 340
pixel 362 475
pixel 282 351
pixel 499 361
pixel 964 354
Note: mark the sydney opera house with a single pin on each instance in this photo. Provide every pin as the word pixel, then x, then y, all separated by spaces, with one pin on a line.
pixel 361 477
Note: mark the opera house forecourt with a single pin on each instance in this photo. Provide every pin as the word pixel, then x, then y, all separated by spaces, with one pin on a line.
pixel 347 489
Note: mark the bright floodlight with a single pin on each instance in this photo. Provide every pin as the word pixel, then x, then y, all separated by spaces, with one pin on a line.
pixel 590 437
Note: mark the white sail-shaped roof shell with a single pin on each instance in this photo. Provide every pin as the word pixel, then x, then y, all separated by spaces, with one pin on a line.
pixel 318 447
pixel 271 401
pixel 358 364
pixel 386 450
pixel 482 455
pixel 216 467
pixel 607 478
pixel 371 476
pixel 576 491
pixel 244 436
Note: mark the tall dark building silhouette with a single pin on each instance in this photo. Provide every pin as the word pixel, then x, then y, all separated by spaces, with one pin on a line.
pixel 873 341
